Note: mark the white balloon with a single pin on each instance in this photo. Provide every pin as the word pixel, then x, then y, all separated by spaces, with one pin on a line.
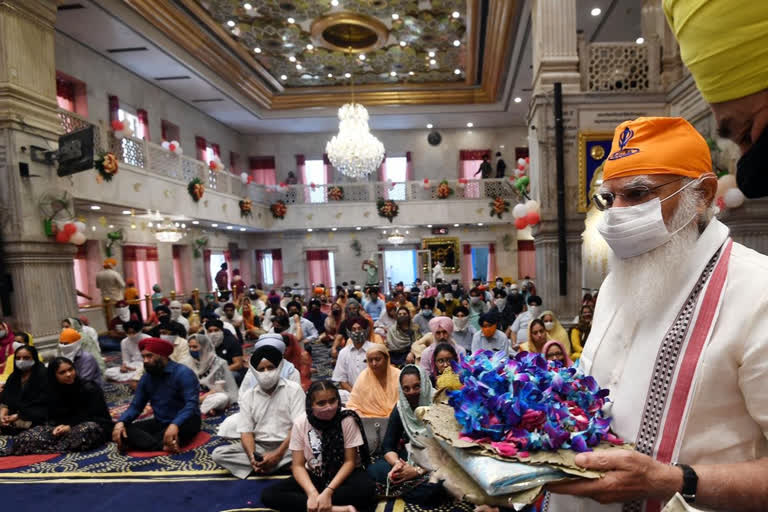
pixel 733 198
pixel 80 226
pixel 175 142
pixel 521 161
pixel 166 145
pixel 77 238
pixel 244 177
pixel 724 184
pixel 519 211
pixel 532 206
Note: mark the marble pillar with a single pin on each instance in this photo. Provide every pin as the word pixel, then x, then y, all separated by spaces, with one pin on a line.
pixel 555 45
pixel 40 271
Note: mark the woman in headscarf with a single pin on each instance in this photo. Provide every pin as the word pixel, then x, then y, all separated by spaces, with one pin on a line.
pixel 217 384
pixel 330 454
pixel 441 328
pixel 333 323
pixel 403 440
pixel 375 391
pixel 537 337
pixel 89 343
pixel 24 399
pixel 299 357
pixel 555 351
pixel 402 335
pixel 580 333
pixel 6 343
pixel 19 340
pixel 78 418
pixel 555 329
pixel 443 375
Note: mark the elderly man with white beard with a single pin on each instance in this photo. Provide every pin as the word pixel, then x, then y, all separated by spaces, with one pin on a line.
pixel 680 336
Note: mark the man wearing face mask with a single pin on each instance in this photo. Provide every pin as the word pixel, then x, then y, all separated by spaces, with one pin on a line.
pixel 122 315
pixel 175 334
pixel 227 347
pixel 425 314
pixel 449 301
pixel 70 346
pixel 176 316
pixel 304 330
pixel 477 306
pixel 267 413
pixel 686 387
pixel 729 35
pixel 173 391
pixel 351 361
pixel 518 331
pixel 489 337
pixel 463 332
pixel 502 307
pixel 515 299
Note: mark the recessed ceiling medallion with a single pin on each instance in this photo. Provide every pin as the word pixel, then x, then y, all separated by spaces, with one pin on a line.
pixel 348 31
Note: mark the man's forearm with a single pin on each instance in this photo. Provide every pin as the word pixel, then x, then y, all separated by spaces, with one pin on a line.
pixel 742 486
pixel 284 445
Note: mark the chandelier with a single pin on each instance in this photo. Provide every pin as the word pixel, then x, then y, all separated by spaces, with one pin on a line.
pixel 354 151
pixel 396 238
pixel 167 231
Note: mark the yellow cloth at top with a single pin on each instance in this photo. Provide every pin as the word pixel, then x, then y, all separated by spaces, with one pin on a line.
pixel 723 43
pixel 369 398
pixel 657 145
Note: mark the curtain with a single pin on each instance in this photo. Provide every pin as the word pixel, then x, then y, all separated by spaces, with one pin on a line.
pixel 178 270
pixel 301 174
pixel 216 150
pixel 277 266
pixel 318 267
pixel 141 263
pixel 207 269
pixel 81 273
pixel 200 146
pixel 469 164
pixel 466 265
pixel 263 170
pixel 259 273
pixel 65 96
pixel 114 106
pixel 491 262
pixel 144 121
pixel 526 259
pixel 245 266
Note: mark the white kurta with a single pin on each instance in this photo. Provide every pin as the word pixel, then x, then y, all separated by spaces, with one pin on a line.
pixel 727 420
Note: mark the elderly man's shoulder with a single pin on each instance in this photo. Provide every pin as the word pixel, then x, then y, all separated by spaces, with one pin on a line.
pixel 748 269
pixel 293 387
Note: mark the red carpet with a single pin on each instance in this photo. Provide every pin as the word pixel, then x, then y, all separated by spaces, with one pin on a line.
pixel 199 440
pixel 18 461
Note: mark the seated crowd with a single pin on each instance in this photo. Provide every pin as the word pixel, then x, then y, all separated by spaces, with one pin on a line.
pixel 390 355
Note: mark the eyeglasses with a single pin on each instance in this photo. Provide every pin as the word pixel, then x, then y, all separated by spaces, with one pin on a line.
pixel 633 195
pixel 444 361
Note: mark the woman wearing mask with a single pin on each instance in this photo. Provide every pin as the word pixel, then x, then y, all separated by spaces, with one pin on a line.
pixel 90 343
pixel 477 307
pixel 555 351
pixel 555 330
pixel 24 399
pixel 580 333
pixel 19 340
pixel 78 419
pixel 132 360
pixel 375 391
pixel 400 337
pixel 403 440
pixel 463 332
pixel 537 337
pixel 216 381
pixel 333 323
pixel 330 454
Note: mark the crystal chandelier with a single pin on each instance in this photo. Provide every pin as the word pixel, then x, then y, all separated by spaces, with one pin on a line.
pixel 354 151
pixel 396 238
pixel 168 232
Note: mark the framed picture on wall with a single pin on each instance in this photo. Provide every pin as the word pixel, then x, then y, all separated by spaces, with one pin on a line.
pixel 593 150
pixel 446 251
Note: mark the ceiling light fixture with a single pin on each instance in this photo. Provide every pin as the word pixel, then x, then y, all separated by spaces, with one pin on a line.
pixel 291 20
pixel 470 125
pixel 348 75
pixel 455 225
pixel 640 40
pixel 429 126
pixel 393 73
pixel 403 43
pixel 126 212
pixel 242 229
pixel 111 226
pixel 283 77
pixel 310 47
pixel 411 73
pixel 247 6
pixel 309 230
pixel 96 207
pixel 149 224
pixel 257 50
pixel 431 54
pixel 195 222
pixel 432 62
pixel 330 75
pixel 396 238
pixel 429 225
pixel 456 42
pixel 334 229
pixel 518 99
pixel 298 66
pixel 292 58
pixel 395 16
pixel 479 223
pixel 596 11
pixel 355 152
pixel 214 225
pixel 168 232
pixel 358 228
pixel 457 71
pixel 335 3
pixel 455 14
pixel 230 227
pixel 231 23
pixel 361 56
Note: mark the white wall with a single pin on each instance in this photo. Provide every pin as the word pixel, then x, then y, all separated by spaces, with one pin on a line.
pixel 433 162
pixel 103 77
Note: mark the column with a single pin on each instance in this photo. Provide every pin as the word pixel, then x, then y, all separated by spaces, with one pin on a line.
pixel 555 46
pixel 656 30
pixel 39 270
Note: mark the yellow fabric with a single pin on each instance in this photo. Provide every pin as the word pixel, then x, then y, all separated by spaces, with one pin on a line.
pixel 657 145
pixel 449 380
pixel 576 348
pixel 723 43
pixel 369 398
pixel 9 361
pixel 558 332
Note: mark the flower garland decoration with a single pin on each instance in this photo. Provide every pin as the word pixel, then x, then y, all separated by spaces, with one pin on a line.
pixel 278 209
pixel 499 206
pixel 246 208
pixel 113 237
pixel 526 403
pixel 106 164
pixel 336 193
pixel 196 189
pixel 387 208
pixel 199 245
pixel 444 191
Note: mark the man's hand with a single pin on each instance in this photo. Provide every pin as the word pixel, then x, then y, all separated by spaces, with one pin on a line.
pixel 629 476
pixel 118 434
pixel 124 368
pixel 268 463
pixel 171 439
pixel 61 430
pixel 410 358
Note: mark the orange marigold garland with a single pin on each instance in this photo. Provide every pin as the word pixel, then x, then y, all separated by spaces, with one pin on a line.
pixel 106 164
pixel 444 191
pixel 499 206
pixel 336 193
pixel 387 208
pixel 246 208
pixel 196 189
pixel 278 209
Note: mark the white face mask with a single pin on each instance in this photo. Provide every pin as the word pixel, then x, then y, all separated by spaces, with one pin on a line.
pixel 24 365
pixel 475 300
pixel 460 323
pixel 634 230
pixel 16 345
pixel 175 313
pixel 124 314
pixel 449 297
pixel 549 325
pixel 216 338
pixel 500 303
pixel 534 310
pixel 3 333
pixel 267 379
pixel 168 337
pixel 69 350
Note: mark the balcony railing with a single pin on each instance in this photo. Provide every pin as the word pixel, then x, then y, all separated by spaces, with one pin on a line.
pixel 620 67
pixel 155 159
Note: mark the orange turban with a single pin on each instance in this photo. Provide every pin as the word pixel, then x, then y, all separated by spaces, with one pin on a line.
pixel 110 262
pixel 657 145
pixel 68 336
pixel 319 290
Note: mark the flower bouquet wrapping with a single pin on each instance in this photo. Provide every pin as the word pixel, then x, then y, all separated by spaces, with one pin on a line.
pixel 278 209
pixel 196 189
pixel 246 207
pixel 444 191
pixel 336 193
pixel 106 164
pixel 387 208
pixel 499 206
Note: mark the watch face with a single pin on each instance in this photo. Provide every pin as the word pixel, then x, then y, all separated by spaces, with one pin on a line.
pixel 434 138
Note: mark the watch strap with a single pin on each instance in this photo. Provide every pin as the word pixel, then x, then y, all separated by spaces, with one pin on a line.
pixel 690 483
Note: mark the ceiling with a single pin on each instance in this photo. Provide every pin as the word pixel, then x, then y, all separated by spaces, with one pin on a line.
pixel 251 98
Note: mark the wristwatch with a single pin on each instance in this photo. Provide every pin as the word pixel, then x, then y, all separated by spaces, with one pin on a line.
pixel 690 483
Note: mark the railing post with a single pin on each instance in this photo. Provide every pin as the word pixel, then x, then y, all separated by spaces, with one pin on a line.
pixel 148 304
pixel 196 298
pixel 107 310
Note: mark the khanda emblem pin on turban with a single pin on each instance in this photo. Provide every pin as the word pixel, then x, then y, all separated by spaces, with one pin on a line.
pixel 624 139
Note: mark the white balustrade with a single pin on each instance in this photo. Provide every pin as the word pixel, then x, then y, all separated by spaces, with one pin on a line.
pixel 620 67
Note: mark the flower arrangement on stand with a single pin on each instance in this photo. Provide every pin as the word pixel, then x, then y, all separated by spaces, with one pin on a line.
pixel 196 189
pixel 106 164
pixel 336 193
pixel 444 191
pixel 499 206
pixel 278 209
pixel 246 208
pixel 387 208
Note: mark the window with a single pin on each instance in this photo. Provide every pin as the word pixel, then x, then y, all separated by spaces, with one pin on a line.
pixel 315 173
pixel 71 94
pixel 480 263
pixel 397 171
pixel 141 263
pixel 266 268
pixel 81 273
pixel 263 170
pixel 131 120
pixel 209 154
pixel 169 131
pixel 401 266
pixel 215 265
